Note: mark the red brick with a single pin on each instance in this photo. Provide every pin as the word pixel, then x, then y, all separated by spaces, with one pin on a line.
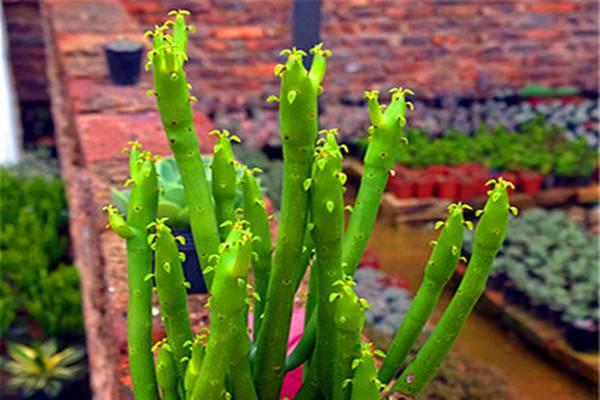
pixel 89 42
pixel 101 136
pixel 395 12
pixel 470 75
pixel 90 16
pixel 545 34
pixel 463 10
pixel 215 45
pixel 445 40
pixel 254 70
pixel 92 96
pixel 257 45
pixel 142 7
pixel 552 8
pixel 239 32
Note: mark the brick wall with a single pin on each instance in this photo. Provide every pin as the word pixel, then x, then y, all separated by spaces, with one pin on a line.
pixel 435 46
pixel 26 44
pixel 469 47
pixel 466 47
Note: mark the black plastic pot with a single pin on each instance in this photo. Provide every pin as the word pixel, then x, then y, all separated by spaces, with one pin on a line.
pixel 572 181
pixel 582 336
pixel 77 389
pixel 191 265
pixel 496 281
pixel 124 60
pixel 555 317
pixel 549 181
pixel 512 294
pixel 525 301
pixel 540 310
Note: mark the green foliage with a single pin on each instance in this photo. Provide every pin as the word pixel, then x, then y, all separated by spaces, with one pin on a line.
pixel 56 302
pixel 547 91
pixel 575 158
pixel 34 247
pixel 272 171
pixel 42 368
pixel 8 307
pixel 536 146
pixel 171 198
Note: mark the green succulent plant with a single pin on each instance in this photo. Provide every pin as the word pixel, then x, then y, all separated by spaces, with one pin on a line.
pixel 231 241
pixel 172 203
pixel 41 368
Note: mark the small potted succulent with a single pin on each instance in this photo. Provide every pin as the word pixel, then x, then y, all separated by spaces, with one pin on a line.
pixel 41 372
pixel 530 182
pixel 538 94
pixel 540 297
pixel 448 187
pixel 425 185
pixel 561 301
pixel 498 276
pixel 173 206
pixel 582 327
pixel 402 183
pixel 468 189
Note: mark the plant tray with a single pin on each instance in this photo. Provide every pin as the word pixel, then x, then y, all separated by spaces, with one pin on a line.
pixel 538 333
pixel 423 210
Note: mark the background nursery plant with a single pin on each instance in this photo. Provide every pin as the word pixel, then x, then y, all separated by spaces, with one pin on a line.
pixel 233 239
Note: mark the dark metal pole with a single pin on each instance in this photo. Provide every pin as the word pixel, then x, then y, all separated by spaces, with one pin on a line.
pixel 306 25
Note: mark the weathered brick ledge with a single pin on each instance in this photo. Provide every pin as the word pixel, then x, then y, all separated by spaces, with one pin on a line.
pixel 94 120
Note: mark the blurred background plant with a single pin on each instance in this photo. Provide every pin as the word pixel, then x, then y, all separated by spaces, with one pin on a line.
pixel 39 292
pixel 537 146
pixel 554 276
pixel 42 369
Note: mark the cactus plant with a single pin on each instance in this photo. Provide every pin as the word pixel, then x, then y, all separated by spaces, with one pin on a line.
pixel 439 270
pixel 234 239
pixel 142 210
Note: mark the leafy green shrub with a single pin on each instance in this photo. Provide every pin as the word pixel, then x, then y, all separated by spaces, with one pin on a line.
pixel 536 146
pixel 33 246
pixel 56 302
pixel 8 307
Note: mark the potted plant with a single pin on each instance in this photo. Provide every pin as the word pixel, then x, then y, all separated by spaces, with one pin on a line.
pixel 538 94
pixel 575 163
pixel 172 205
pixel 530 182
pixel 498 275
pixel 582 327
pixel 561 300
pixel 469 187
pixel 540 296
pixel 425 185
pixel 40 372
pixel 448 187
pixel 402 183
